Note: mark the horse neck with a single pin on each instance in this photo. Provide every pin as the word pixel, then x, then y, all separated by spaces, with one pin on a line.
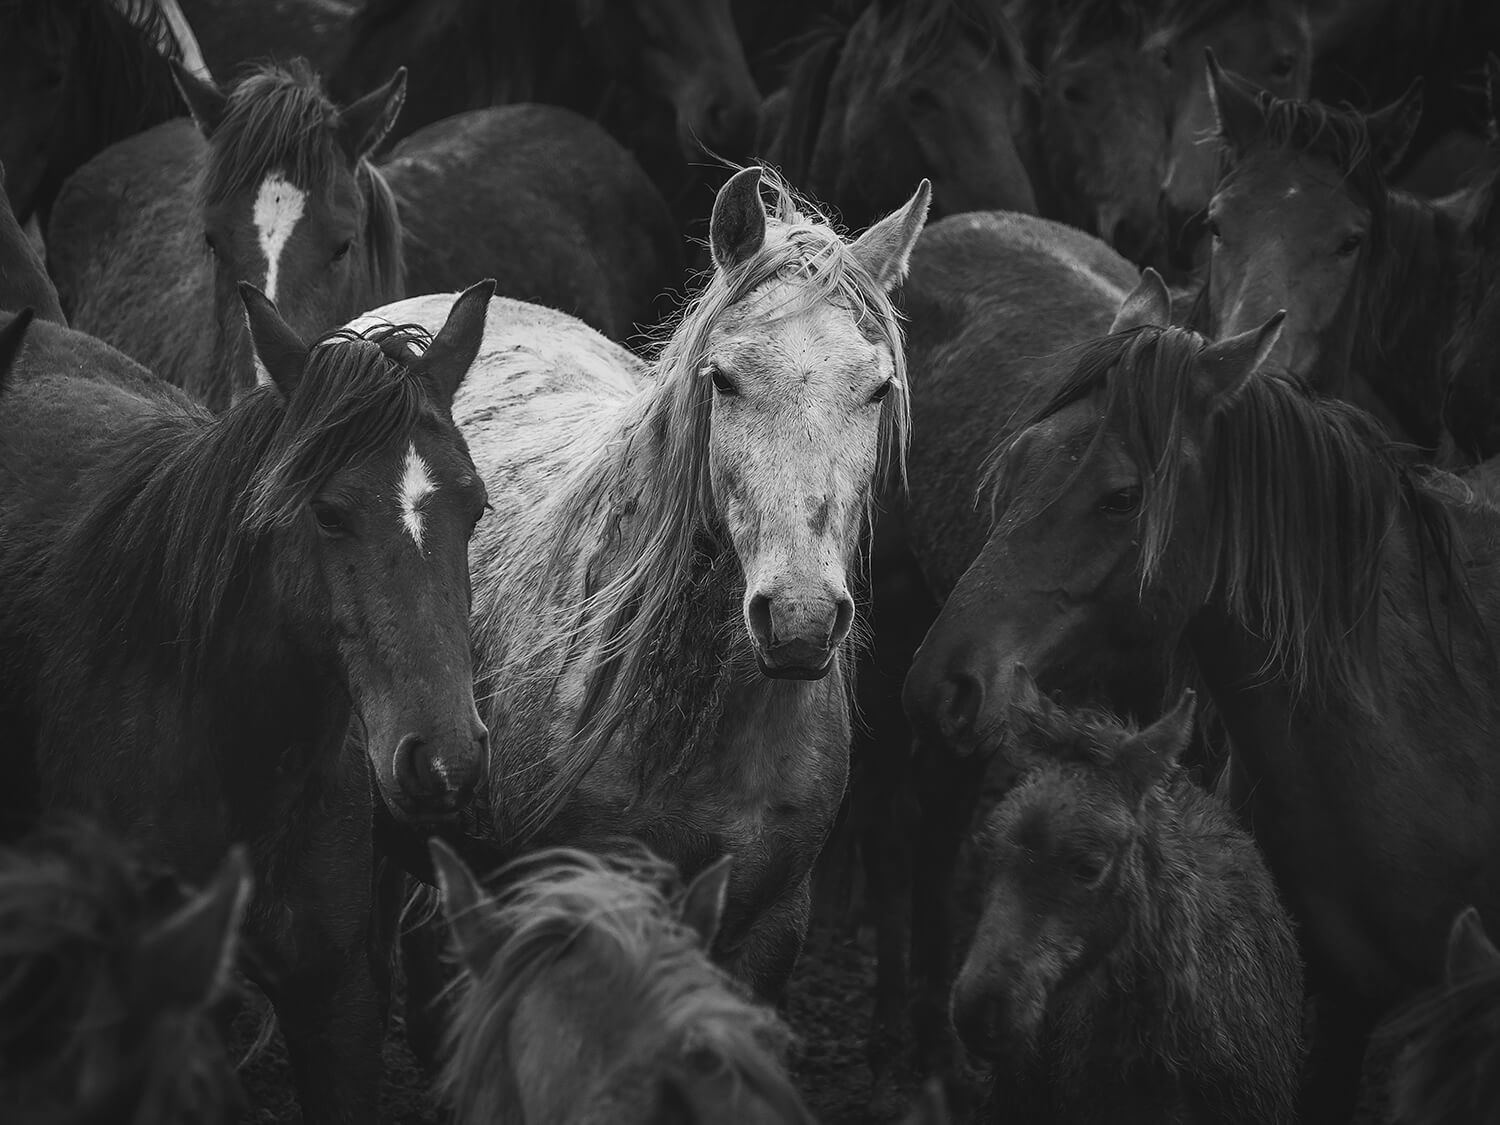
pixel 1405 314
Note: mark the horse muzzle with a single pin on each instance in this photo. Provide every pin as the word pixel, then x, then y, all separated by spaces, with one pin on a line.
pixel 797 638
pixel 433 780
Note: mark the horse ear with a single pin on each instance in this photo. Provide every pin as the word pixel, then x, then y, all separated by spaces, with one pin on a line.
pixel 1226 364
pixel 186 959
pixel 931 1107
pixel 462 895
pixel 702 906
pixel 205 101
pixel 280 350
pixel 450 355
pixel 1392 128
pixel 737 227
pixel 885 249
pixel 1237 104
pixel 1470 951
pixel 365 123
pixel 1149 304
pixel 11 338
pixel 1150 755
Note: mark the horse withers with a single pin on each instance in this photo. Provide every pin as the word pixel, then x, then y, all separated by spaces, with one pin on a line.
pixel 1131 950
pixel 221 629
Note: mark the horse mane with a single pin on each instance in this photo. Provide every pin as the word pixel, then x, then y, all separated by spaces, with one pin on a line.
pixel 186 504
pixel 1340 134
pixel 279 119
pixel 1302 496
pixel 72 904
pixel 561 900
pixel 644 503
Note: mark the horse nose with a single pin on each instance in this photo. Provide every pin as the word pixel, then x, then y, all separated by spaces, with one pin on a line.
pixel 438 783
pixel 977 1015
pixel 949 704
pixel 796 636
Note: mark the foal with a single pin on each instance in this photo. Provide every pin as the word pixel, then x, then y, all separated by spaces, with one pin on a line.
pixel 106 976
pixel 587 995
pixel 1132 961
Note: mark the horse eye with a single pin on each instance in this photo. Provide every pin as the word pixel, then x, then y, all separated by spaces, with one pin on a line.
pixel 1212 226
pixel 330 519
pixel 1350 245
pixel 1122 501
pixel 1074 94
pixel 923 100
pixel 1166 57
pixel 208 244
pixel 879 393
pixel 1089 870
pixel 722 382
pixel 1284 66
pixel 343 250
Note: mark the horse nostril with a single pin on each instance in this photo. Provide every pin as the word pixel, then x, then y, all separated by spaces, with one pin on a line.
pixel 976 1019
pixel 843 617
pixel 760 621
pixel 959 699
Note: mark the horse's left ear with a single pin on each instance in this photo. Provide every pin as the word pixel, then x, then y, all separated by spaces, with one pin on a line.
pixel 737 227
pixel 11 338
pixel 1236 102
pixel 885 249
pixel 450 355
pixel 1392 128
pixel 365 123
pixel 1150 755
pixel 462 895
pixel 1226 365
pixel 186 959
pixel 702 907
pixel 205 101
pixel 1149 304
pixel 280 350
pixel 1470 951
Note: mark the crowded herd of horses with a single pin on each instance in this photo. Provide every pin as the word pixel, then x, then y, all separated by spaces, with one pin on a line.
pixel 473 514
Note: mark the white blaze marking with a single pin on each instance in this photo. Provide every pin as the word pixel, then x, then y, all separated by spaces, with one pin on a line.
pixel 278 207
pixel 416 483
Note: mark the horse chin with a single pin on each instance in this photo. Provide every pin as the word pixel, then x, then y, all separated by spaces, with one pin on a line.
pixel 413 816
pixel 793 671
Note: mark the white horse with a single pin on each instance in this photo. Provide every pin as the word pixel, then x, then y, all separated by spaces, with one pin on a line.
pixel 663 601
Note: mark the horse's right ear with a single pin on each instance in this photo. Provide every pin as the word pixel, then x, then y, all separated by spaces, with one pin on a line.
pixel 280 350
pixel 1226 365
pixel 205 101
pixel 365 123
pixel 1150 755
pixel 186 959
pixel 12 336
pixel 462 895
pixel 931 1107
pixel 737 227
pixel 1470 951
pixel 1148 305
pixel 1237 104
pixel 702 906
pixel 885 249
pixel 450 355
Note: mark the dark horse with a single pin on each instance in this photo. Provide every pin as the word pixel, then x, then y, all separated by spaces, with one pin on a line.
pixel 1338 605
pixel 201 611
pixel 1131 950
pixel 75 77
pixel 1448 1069
pixel 905 91
pixel 23 279
pixel 107 974
pixel 290 201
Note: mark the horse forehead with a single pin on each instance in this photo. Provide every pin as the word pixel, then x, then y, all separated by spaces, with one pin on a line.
pixel 800 345
pixel 1282 184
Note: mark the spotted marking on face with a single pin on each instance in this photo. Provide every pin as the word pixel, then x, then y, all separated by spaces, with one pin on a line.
pixel 416 485
pixel 1292 192
pixel 279 205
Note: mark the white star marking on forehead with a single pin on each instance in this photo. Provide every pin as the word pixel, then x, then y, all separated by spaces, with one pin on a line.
pixel 278 208
pixel 416 484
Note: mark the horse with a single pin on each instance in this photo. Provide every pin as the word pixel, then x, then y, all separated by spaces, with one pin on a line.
pixel 227 628
pixel 108 974
pixel 1450 1039
pixel 1336 602
pixel 1302 219
pixel 663 612
pixel 906 91
pixel 23 279
pixel 1122 109
pixel 586 993
pixel 1131 950
pixel 75 77
pixel 290 201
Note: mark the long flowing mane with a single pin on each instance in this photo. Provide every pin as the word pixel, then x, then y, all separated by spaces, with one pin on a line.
pixel 278 119
pixel 1302 496
pixel 655 973
pixel 188 504
pixel 635 524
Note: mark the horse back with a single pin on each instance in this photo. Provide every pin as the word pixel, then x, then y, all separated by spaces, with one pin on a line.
pixel 544 201
pixel 994 299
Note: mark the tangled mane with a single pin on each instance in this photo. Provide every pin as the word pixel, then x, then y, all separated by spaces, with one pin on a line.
pixel 645 966
pixel 1339 134
pixel 187 505
pixel 278 119
pixel 73 904
pixel 1301 495
pixel 638 515
pixel 1085 735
